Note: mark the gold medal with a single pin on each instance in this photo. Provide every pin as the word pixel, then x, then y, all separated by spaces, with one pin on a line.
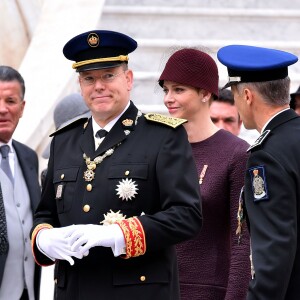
pixel 89 175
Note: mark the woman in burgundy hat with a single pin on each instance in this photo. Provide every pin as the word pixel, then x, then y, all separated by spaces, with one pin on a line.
pixel 214 265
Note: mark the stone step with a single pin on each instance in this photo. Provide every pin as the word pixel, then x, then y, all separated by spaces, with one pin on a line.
pixel 152 54
pixel 146 90
pixel 277 4
pixel 186 22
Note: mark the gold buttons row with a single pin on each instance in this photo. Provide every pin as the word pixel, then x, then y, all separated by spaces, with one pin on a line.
pixel 87 208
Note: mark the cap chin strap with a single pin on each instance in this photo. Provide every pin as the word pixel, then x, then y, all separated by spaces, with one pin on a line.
pixel 97 60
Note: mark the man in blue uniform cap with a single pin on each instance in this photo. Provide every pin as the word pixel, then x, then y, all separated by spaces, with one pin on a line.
pixel 259 81
pixel 127 181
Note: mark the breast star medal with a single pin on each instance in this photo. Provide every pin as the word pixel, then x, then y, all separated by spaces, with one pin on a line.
pixel 126 189
pixel 112 217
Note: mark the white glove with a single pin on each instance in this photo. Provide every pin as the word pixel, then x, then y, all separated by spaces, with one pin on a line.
pixel 87 236
pixel 53 243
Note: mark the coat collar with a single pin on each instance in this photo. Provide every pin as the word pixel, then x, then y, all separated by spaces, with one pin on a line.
pixel 115 136
pixel 281 118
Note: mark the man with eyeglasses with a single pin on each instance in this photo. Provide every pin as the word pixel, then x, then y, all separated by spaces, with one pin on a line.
pixel 121 188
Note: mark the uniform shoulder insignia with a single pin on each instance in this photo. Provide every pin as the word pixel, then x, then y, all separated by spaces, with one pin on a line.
pixel 83 121
pixel 259 140
pixel 167 120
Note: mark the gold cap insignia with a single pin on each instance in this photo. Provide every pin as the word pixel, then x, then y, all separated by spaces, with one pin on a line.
pixel 127 122
pixel 93 39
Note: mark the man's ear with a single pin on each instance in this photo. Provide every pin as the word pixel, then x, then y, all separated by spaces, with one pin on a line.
pixel 248 96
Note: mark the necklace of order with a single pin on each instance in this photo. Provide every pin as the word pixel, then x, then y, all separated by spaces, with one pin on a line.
pixel 91 165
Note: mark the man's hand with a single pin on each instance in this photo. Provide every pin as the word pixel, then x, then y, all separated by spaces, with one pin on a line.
pixel 84 237
pixel 53 243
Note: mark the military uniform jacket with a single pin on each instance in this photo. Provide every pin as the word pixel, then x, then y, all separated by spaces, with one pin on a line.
pixel 272 198
pixel 158 159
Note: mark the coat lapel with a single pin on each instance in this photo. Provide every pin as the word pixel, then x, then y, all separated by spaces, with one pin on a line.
pixel 117 134
pixel 113 138
pixel 29 172
pixel 87 141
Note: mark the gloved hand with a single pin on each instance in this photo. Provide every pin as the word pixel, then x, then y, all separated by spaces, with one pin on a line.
pixel 53 243
pixel 87 236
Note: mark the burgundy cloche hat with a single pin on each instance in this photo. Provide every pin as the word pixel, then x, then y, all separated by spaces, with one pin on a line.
pixel 194 68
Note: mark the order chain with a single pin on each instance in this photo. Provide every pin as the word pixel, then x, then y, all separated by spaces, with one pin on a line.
pixel 89 174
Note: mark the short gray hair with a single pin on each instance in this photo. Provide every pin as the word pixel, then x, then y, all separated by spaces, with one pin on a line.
pixel 275 92
pixel 10 74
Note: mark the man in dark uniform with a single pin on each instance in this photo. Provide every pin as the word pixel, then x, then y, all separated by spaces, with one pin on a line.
pixel 126 180
pixel 259 81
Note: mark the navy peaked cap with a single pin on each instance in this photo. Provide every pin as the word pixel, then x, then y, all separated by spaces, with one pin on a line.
pixel 98 49
pixel 254 64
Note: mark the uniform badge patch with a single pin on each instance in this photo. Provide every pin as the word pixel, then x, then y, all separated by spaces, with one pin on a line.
pixel 259 183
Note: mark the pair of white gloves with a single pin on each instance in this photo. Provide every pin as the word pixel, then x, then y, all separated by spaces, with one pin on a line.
pixel 76 241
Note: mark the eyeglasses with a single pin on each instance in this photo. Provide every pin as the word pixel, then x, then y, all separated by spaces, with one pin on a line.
pixel 105 78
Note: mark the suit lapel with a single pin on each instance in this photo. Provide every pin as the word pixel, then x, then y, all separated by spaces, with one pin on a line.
pixel 29 171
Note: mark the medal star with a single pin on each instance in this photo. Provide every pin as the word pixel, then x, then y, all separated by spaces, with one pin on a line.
pixel 112 217
pixel 126 189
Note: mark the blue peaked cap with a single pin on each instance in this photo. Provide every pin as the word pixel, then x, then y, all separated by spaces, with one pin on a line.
pixel 254 64
pixel 98 49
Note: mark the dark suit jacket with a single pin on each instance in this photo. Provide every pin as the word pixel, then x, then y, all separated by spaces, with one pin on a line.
pixel 272 198
pixel 29 164
pixel 160 162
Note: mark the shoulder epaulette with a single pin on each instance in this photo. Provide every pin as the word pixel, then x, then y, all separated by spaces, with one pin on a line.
pixel 167 120
pixel 83 121
pixel 260 140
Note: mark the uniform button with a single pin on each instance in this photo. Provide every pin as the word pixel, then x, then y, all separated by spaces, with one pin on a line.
pixel 18 204
pixel 127 173
pixel 62 176
pixel 25 240
pixel 25 258
pixel 143 278
pixel 89 187
pixel 86 208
